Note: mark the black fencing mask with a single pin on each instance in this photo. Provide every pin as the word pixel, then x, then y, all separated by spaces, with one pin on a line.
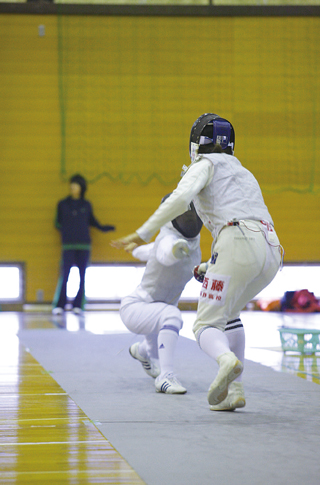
pixel 189 223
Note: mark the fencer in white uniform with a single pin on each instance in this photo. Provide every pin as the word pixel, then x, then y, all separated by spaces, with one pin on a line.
pixel 152 309
pixel 245 256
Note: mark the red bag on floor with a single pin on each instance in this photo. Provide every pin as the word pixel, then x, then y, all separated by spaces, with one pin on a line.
pixel 300 301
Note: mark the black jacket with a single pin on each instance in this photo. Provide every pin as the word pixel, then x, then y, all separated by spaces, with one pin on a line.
pixel 74 216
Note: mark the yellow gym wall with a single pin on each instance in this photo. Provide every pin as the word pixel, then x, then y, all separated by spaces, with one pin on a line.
pixel 115 97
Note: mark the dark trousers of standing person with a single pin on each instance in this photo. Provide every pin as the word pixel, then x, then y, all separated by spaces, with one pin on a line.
pixel 80 259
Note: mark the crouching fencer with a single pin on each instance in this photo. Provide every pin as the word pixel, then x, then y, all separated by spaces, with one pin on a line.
pixel 246 253
pixel 152 309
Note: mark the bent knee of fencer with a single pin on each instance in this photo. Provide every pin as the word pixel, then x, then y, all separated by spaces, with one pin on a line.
pixel 199 326
pixel 128 313
pixel 123 309
pixel 171 319
pixel 126 319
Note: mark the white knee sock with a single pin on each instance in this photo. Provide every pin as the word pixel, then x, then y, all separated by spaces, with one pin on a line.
pixel 149 346
pixel 167 341
pixel 236 340
pixel 143 348
pixel 214 342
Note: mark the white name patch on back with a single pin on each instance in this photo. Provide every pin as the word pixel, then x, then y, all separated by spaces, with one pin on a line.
pixel 214 288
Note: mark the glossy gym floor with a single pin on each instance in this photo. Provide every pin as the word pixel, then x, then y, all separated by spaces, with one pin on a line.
pixel 47 438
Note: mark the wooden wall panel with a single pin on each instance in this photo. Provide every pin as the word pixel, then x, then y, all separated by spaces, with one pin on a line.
pixel 262 73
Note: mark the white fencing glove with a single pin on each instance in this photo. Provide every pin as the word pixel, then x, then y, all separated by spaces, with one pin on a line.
pixel 180 249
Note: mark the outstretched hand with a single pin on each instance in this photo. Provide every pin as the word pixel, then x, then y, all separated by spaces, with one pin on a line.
pixel 128 243
pixel 108 227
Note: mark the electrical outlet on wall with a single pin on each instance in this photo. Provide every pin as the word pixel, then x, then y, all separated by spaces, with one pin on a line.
pixel 41 30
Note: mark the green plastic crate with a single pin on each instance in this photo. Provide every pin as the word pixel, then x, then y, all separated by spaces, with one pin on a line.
pixel 303 340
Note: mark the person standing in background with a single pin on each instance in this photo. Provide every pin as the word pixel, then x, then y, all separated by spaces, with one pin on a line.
pixel 73 219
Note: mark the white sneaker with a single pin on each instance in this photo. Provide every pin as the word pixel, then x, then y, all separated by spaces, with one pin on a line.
pixel 230 368
pixel 169 385
pixel 77 311
pixel 150 366
pixel 235 398
pixel 57 311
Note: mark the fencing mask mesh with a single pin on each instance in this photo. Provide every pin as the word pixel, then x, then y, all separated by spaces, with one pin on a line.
pixel 189 223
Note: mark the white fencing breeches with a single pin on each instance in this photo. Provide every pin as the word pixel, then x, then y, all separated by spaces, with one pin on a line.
pixel 245 260
pixel 148 318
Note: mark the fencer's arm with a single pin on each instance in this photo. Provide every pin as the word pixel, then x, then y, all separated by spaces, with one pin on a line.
pixel 143 252
pixel 195 179
pixel 128 243
pixel 171 249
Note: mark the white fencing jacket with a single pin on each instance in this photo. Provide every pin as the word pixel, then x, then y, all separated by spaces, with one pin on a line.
pixel 222 190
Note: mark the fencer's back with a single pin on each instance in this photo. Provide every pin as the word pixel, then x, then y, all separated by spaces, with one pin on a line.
pixel 233 193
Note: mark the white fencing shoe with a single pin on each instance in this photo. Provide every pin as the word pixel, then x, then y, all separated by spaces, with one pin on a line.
pixel 57 311
pixel 235 398
pixel 150 366
pixel 169 384
pixel 230 368
pixel 77 311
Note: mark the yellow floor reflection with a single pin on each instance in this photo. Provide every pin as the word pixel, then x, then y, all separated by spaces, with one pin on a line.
pixel 44 436
pixel 304 366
